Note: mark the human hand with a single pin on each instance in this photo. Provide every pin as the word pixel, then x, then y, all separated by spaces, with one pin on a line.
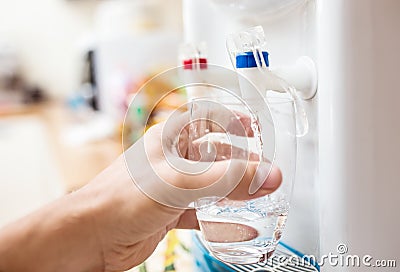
pixel 132 217
pixel 118 219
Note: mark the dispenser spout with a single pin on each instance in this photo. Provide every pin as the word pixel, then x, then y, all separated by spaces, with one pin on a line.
pixel 302 75
pixel 246 50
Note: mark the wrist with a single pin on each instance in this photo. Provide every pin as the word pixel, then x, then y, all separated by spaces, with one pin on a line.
pixel 80 224
pixel 57 237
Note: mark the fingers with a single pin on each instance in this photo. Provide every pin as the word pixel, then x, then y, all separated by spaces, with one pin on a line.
pixel 184 129
pixel 260 179
pixel 182 145
pixel 221 176
pixel 218 146
pixel 241 125
pixel 236 179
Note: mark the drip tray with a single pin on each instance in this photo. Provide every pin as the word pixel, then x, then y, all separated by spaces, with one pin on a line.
pixel 284 260
pixel 274 264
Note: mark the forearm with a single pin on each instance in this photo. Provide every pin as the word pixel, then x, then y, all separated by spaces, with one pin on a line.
pixel 58 237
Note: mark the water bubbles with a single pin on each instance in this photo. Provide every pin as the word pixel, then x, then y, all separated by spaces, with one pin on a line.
pixel 255 209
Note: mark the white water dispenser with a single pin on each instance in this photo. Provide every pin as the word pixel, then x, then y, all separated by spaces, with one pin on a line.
pixel 343 57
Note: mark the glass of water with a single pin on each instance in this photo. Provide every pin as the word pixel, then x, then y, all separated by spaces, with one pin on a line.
pixel 226 127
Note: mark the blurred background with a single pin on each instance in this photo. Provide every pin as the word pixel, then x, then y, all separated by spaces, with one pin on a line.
pixel 68 69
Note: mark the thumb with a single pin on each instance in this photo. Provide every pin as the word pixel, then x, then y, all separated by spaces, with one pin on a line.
pixel 237 179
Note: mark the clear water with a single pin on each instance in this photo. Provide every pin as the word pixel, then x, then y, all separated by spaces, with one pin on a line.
pixel 243 232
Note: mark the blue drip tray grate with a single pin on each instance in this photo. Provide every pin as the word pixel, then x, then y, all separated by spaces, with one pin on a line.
pixel 205 262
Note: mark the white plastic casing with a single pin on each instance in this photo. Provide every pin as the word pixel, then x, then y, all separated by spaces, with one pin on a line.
pixel 348 177
pixel 359 128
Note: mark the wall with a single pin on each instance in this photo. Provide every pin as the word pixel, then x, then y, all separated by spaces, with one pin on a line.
pixel 47 36
pixel 50 36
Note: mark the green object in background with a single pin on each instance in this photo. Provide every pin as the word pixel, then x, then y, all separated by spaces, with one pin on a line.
pixel 169 268
pixel 185 248
pixel 142 267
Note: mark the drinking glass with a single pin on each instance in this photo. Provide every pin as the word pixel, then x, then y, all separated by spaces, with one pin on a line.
pixel 226 127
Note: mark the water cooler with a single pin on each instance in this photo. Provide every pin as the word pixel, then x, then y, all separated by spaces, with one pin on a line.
pixel 347 179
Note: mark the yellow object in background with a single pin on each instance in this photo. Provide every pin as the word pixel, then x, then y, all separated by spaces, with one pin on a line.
pixel 172 254
pixel 172 243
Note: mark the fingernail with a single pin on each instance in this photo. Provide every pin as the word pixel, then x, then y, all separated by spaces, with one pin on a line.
pixel 260 178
